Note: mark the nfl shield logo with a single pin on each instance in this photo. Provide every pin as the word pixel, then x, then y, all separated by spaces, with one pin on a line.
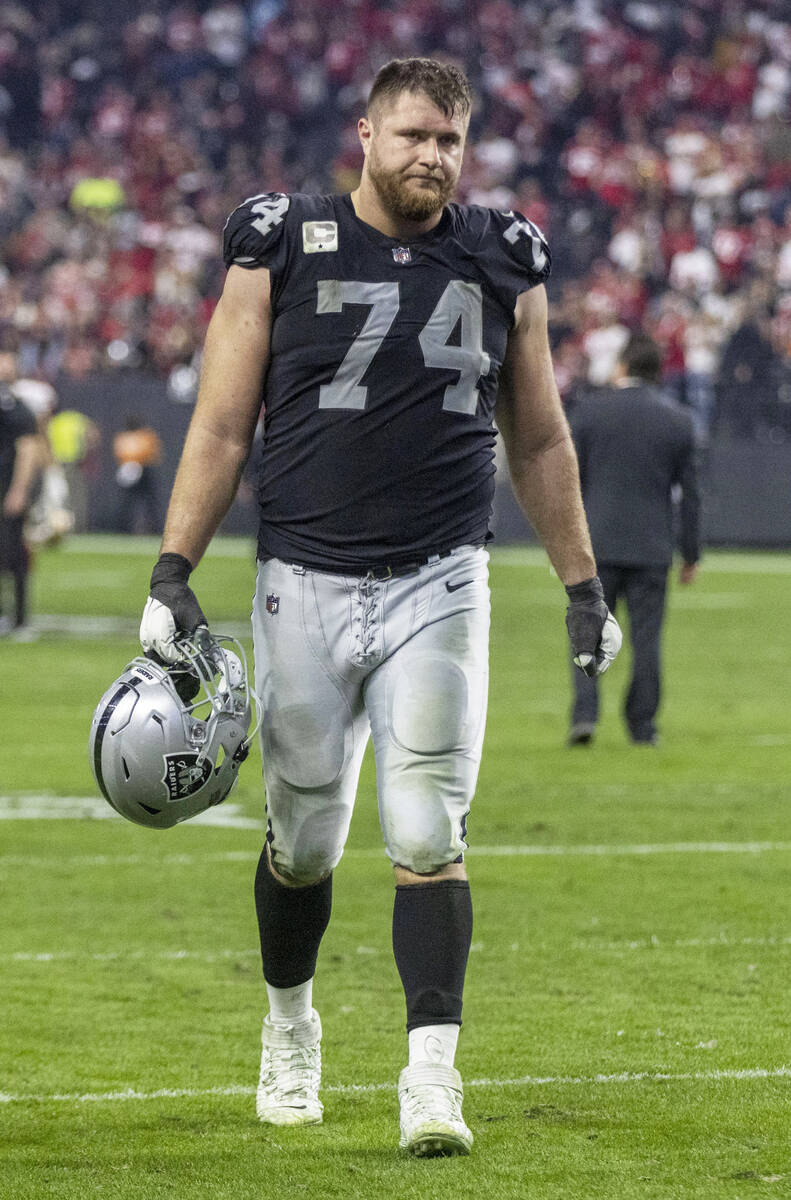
pixel 402 255
pixel 273 604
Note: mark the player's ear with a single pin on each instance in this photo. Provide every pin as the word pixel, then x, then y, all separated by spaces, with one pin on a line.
pixel 364 133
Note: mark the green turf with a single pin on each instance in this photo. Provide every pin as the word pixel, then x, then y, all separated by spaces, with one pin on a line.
pixel 619 1005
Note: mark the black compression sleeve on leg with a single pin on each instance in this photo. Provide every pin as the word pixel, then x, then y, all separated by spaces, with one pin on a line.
pixel 20 595
pixel 291 924
pixel 432 931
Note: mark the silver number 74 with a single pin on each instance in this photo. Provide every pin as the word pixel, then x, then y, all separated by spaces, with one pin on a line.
pixel 460 304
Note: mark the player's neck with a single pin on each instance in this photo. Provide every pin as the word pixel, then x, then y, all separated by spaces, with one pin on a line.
pixel 369 208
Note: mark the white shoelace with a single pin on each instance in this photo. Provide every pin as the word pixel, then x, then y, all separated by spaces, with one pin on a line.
pixel 431 1103
pixel 290 1072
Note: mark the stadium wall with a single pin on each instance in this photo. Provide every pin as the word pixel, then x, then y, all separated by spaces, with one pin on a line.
pixel 746 492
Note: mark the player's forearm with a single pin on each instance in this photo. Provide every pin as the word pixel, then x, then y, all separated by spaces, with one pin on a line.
pixel 546 484
pixel 205 486
pixel 538 443
pixel 221 431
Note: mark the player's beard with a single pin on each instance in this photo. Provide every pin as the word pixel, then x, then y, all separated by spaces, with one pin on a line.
pixel 407 201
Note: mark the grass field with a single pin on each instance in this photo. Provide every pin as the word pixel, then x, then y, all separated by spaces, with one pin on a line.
pixel 628 1007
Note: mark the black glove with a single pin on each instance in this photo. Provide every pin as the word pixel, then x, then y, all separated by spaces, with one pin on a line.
pixel 594 633
pixel 169 586
pixel 172 610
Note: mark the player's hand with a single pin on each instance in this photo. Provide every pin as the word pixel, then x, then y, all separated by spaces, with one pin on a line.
pixel 172 610
pixel 594 633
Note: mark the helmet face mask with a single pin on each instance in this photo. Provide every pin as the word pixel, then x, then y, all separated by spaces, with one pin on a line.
pixel 167 741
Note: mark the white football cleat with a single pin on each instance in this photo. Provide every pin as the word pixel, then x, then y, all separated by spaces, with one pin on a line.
pixel 431 1122
pixel 288 1087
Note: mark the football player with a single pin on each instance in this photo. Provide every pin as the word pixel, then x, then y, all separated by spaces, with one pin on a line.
pixel 22 457
pixel 384 330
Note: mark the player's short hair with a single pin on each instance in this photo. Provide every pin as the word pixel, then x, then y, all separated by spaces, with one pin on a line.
pixel 445 85
pixel 642 358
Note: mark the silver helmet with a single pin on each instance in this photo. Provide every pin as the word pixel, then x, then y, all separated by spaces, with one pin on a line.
pixel 167 740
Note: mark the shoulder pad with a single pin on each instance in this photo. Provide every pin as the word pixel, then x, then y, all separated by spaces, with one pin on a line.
pixel 523 242
pixel 254 230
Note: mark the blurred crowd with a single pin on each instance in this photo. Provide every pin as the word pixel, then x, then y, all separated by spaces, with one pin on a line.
pixel 650 139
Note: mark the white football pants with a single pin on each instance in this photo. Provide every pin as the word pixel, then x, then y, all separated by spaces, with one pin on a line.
pixel 339 657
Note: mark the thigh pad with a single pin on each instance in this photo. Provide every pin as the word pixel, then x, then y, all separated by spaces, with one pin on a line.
pixel 428 705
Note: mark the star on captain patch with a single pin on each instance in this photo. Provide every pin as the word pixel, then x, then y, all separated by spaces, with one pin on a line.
pixel 273 604
pixel 402 255
pixel 319 236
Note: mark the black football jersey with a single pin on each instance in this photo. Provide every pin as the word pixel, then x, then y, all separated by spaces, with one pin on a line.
pixel 380 392
pixel 16 421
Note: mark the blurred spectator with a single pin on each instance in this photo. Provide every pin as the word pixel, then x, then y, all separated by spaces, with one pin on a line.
pixel 49 517
pixel 137 449
pixel 74 438
pixel 749 377
pixel 603 343
pixel 707 327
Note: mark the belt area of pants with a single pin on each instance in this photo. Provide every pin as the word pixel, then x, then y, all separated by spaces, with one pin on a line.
pixel 410 568
pixel 380 572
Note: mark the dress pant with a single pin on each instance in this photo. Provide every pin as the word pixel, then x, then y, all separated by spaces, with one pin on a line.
pixel 643 588
pixel 14 561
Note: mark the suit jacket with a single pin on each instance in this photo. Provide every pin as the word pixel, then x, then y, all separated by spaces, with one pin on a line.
pixel 634 445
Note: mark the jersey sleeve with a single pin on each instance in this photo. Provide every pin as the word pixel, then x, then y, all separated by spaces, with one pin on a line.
pixel 253 234
pixel 517 254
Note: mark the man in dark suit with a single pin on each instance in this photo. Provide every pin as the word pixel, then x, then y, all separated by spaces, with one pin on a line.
pixel 635 447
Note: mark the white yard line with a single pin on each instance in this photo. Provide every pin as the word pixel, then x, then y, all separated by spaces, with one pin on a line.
pixel 127 860
pixel 76 808
pixel 96 627
pixel 691 943
pixel 123 956
pixel 604 850
pixel 590 945
pixel 346 1089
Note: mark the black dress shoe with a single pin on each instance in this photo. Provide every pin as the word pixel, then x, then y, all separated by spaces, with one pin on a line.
pixel 581 734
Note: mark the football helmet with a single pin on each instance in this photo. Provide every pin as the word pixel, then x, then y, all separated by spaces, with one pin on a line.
pixel 167 739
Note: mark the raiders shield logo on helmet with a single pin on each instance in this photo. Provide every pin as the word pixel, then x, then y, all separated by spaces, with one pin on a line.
pixel 184 774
